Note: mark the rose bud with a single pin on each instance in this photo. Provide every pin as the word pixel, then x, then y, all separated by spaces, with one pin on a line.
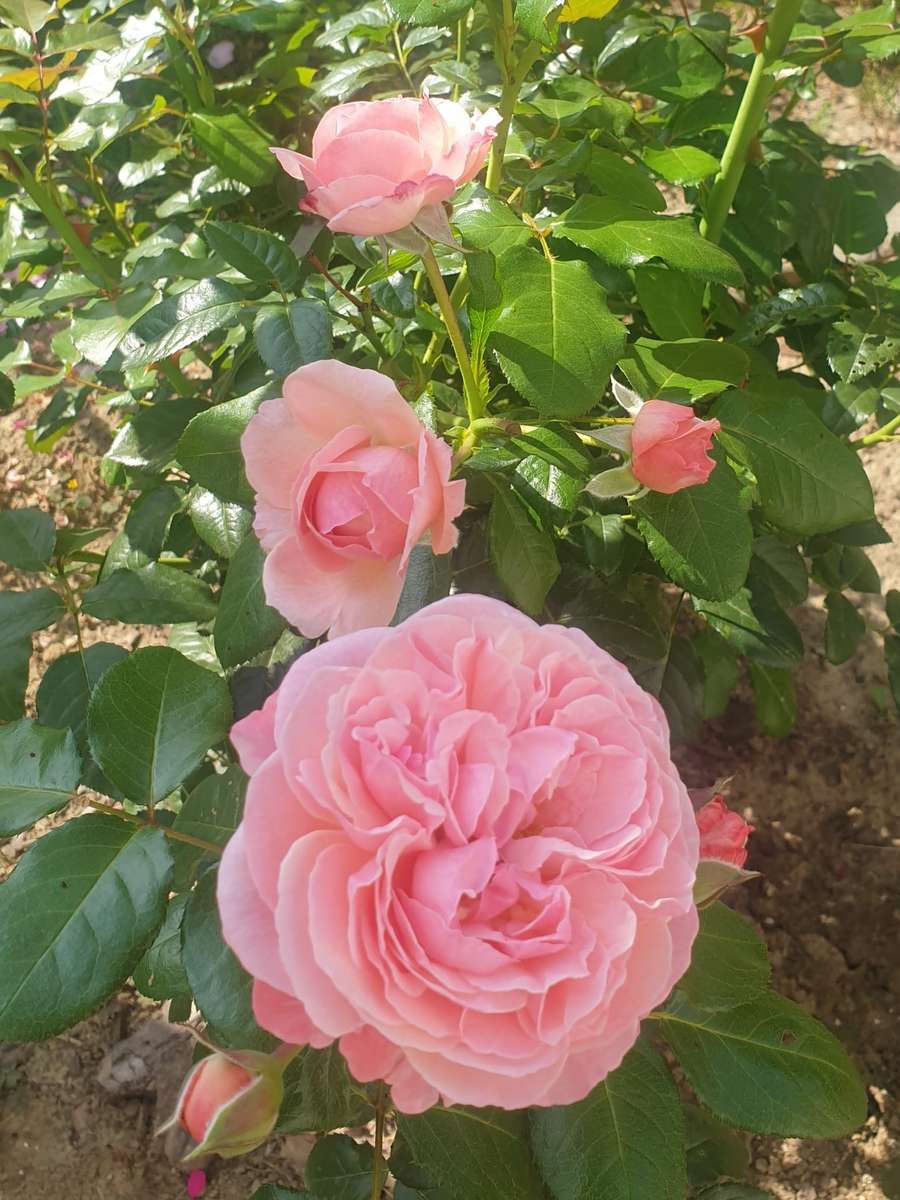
pixel 670 447
pixel 723 833
pixel 378 166
pixel 229 1102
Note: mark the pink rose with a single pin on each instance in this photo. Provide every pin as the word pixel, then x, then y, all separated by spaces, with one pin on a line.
pixel 347 480
pixel 377 163
pixel 229 1102
pixel 723 833
pixel 670 446
pixel 466 853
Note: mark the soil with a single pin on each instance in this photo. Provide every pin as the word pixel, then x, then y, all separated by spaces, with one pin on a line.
pixel 823 800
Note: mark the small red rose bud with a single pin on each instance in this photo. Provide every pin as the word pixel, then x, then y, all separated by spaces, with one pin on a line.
pixel 230 1100
pixel 723 833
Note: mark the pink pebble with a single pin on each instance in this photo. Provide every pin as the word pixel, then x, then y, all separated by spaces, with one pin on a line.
pixel 196 1184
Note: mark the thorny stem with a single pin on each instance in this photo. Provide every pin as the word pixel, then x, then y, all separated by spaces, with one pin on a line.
pixel 442 296
pixel 401 59
pixel 174 835
pixel 379 1143
pixel 750 114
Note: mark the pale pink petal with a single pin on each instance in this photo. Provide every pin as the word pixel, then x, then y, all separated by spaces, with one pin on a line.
pixel 254 736
pixel 281 1014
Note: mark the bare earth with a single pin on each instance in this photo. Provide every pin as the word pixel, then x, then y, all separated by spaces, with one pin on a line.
pixel 824 801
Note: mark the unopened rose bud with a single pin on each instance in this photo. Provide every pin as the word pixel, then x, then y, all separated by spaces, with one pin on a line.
pixel 723 833
pixel 229 1102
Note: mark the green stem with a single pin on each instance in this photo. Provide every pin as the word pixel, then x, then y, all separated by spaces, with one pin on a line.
pixel 174 835
pixel 514 77
pixel 442 296
pixel 880 435
pixel 168 370
pixel 457 297
pixel 89 262
pixel 756 97
pixel 379 1143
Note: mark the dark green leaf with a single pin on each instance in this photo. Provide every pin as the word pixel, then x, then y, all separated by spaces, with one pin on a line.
pixel 27 536
pixel 862 342
pixel 75 916
pixel 809 481
pixel 430 12
pixel 152 719
pixel 290 336
pixel 755 626
pixel 522 554
pixel 65 689
pixel 671 300
pixel 774 699
pixel 713 1150
pixel 221 524
pixel 149 439
pixel 844 629
pixel 733 1191
pixel 720 671
pixel 152 595
pixel 245 625
pixel 183 319
pixel 160 973
pixel 211 813
pixel 22 613
pixel 690 368
pixel 624 235
pixel 15 656
pixel 858 571
pixel 672 64
pixel 271 1192
pixel 259 255
pixel 340 1168
pixel 624 1141
pixel 236 145
pixel 681 690
pixel 39 770
pixel 555 338
pixel 627 627
pixel 320 1094
pixel 427 579
pixel 700 536
pixel 612 175
pixel 7 394
pixel 210 447
pixel 486 223
pixel 811 1088
pixel 221 987
pixel 473 1153
pixel 783 569
pixel 532 18
pixel 729 965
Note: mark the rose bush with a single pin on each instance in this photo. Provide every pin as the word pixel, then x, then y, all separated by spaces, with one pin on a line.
pixel 553 306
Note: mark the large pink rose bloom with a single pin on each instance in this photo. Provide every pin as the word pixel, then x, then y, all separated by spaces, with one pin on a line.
pixel 376 164
pixel 466 854
pixel 347 480
pixel 670 447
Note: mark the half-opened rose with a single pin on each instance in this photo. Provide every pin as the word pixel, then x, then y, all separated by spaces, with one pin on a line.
pixel 347 481
pixel 466 854
pixel 670 447
pixel 723 832
pixel 377 164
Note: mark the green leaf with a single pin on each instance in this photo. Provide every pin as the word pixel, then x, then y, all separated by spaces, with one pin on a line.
pixel 713 1150
pixel 612 175
pixel 690 368
pixel 681 690
pixel 486 223
pixel 554 337
pixel 75 916
pixel 220 985
pixel 858 571
pixel 30 15
pixel 522 554
pixel 221 524
pixel 211 813
pixel 624 1141
pixel 292 335
pixel 183 319
pixel 729 965
pixel 532 18
pixel 733 1191
pixel 39 770
pixel 625 626
pixel 27 536
pixel 809 481
pixel 428 578
pixel 624 235
pixel 149 440
pixel 684 165
pixel 861 343
pixel 319 1093
pixel 236 145
pixel 22 613
pixel 340 1168
pixel 672 64
pixel 152 719
pixel 473 1153
pixel 160 973
pixel 700 536
pixel 98 331
pixel 672 301
pixel 844 629
pixel 148 524
pixel 7 394
pixel 210 447
pixel 271 1192
pixel 15 657
pixel 720 671
pixel 65 691
pixel 259 255
pixel 783 569
pixel 756 626
pixel 245 625
pixel 774 699
pixel 810 1088
pixel 152 595
pixel 430 12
